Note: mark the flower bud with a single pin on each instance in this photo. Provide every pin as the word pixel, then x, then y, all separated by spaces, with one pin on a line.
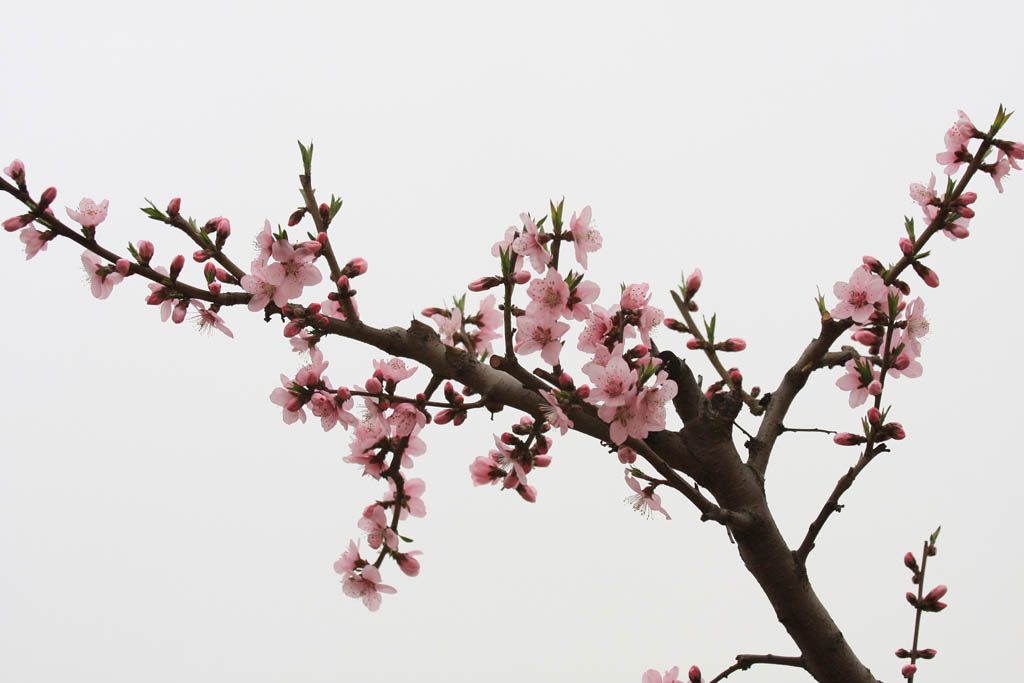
pixel 145 251
pixel 694 344
pixel 292 328
pixel 926 274
pixel 178 314
pixel 431 312
pixel 734 344
pixel 325 213
pixel 296 216
pixel 873 264
pixel 374 386
pixel 848 439
pixel 210 271
pixel 583 392
pixel 314 308
pixel 17 223
pixel 174 207
pixel 875 388
pixel 123 266
pixel 936 593
pixel 965 212
pixel 542 460
pixel 902 653
pixel 224 276
pixel 908 671
pixel 960 232
pixel 356 267
pixel 176 265
pixel 906 246
pixel 343 283
pixel 673 324
pixel 735 376
pixel 444 417
pixel 968 198
pixel 16 171
pixel 694 675
pixel 528 493
pixel 910 562
pixel 409 565
pixel 866 337
pixel 49 194
pixel 693 282
pixel 484 283
pixel 927 653
pixel 627 456
pixel 214 287
pixel 874 415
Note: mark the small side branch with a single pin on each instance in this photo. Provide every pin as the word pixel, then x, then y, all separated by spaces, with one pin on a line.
pixel 744 662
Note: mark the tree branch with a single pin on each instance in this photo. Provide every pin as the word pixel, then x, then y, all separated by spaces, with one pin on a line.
pixel 744 662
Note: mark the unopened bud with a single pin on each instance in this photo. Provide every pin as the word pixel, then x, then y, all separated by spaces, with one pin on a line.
pixel 926 274
pixel 214 287
pixel 17 223
pixel 123 266
pixel 356 267
pixel 145 251
pixel 484 283
pixel 49 194
pixel 848 439
pixel 223 276
pixel 959 231
pixel 627 456
pixel 292 328
pixel 16 171
pixel 874 415
pixel 296 216
pixel 521 277
pixel 908 671
pixel 409 565
pixel 431 311
pixel 694 344
pixel 968 198
pixel 325 213
pixel 906 246
pixel 875 388
pixel 936 593
pixel 735 376
pixel 374 385
pixel 200 256
pixel 527 493
pixel 903 653
pixel 873 264
pixel 928 653
pixel 314 308
pixel 866 337
pixel 210 271
pixel 965 212
pixel 542 460
pixel 583 392
pixel 343 283
pixel 176 265
pixel 694 674
pixel 673 324
pixel 693 282
pixel 180 309
pixel 444 417
pixel 910 562
pixel 734 344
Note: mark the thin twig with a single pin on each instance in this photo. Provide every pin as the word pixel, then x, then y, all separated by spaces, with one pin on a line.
pixel 744 662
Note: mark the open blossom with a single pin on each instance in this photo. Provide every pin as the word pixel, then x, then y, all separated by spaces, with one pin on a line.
pixel 394 369
pixel 1000 169
pixel 550 297
pixel 554 414
pixel 293 270
pixel 102 277
pixel 349 560
pixel 923 195
pixel 917 326
pixel 488 319
pixel 652 676
pixel 585 237
pixel 486 470
pixel 34 241
pixel 614 383
pixel 262 291
pixel 644 500
pixel 540 335
pixel 857 298
pixel 89 213
pixel 207 319
pixel 412 497
pixel 528 244
pixel 635 297
pixel 375 523
pixel 861 379
pixel 367 586
pixel 265 242
pixel 449 326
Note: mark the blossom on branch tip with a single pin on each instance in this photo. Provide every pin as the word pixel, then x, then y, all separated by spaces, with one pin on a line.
pixel 207 319
pixel 394 369
pixel 528 244
pixel 923 195
pixel 375 523
pixel 34 241
pixel 408 563
pixel 857 298
pixel 367 586
pixel 102 277
pixel 860 380
pixel 553 412
pixel 15 171
pixel 644 500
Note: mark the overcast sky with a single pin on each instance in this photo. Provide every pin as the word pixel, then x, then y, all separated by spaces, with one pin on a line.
pixel 159 522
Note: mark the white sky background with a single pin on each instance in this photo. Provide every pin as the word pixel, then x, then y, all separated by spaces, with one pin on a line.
pixel 158 521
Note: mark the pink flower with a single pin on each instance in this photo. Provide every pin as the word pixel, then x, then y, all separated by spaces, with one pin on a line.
pixel 583 294
pixel 34 241
pixel 858 296
pixel 412 497
pixel 394 369
pixel 540 335
pixel 207 318
pixel 265 242
pixel 102 277
pixel 861 379
pixel 89 214
pixel 290 402
pixel 550 297
pixel 528 244
pixel 635 297
pixel 999 170
pixel 262 291
pixel 652 676
pixel 585 236
pixel 15 170
pixel 917 326
pixel 293 269
pixel 553 412
pixel 366 586
pixel 506 246
pixel 960 133
pixel 644 500
pixel 614 382
pixel 599 324
pixel 485 469
pixel 449 326
pixel 921 194
pixel 333 408
pixel 349 560
pixel 375 523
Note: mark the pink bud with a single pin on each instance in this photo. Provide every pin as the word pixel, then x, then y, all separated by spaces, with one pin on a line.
pixel 223 276
pixel 873 264
pixel 374 386
pixel 178 314
pixel 694 675
pixel 49 194
pixel 627 455
pixel 484 283
pixel 17 223
pixel 176 265
pixel 145 250
pixel 936 593
pixel 908 671
pixel 583 392
pixel 356 266
pixel 528 493
pixel 906 246
pixel 875 388
pixel 521 277
pixel 409 565
pixel 444 417
pixel 210 271
pixel 200 255
pixel 312 246
pixel 565 381
pixel 969 197
pixel 214 287
pixel 16 171
pixel 847 439
pixel 866 337
pixel 693 282
pixel 926 274
pixel 431 311
pixel 966 212
pixel 735 376
pixel 734 344
pixel 874 415
pixel 174 207
pixel 292 328
pixel 223 227
pixel 928 653
pixel 123 266
pixel 542 460
pixel 343 283
pixel 903 653
pixel 960 232
pixel 314 308
pixel 910 562
pixel 694 344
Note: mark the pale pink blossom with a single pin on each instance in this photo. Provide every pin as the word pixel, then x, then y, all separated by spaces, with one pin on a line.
pixel 857 298
pixel 263 292
pixel 15 170
pixel 614 383
pixel 539 335
pixel 952 159
pixel 375 523
pixel 921 194
pixel 621 421
pixel 651 404
pixel 917 326
pixel 293 270
pixel 303 342
pixel 960 133
pixel 366 586
pixel 412 497
pixel 861 379
pixel 89 213
pixel 485 469
pixel 265 242
pixel 580 298
pixel 34 241
pixel 585 236
pixel 635 297
pixel 650 317
pixel 394 369
pixel 999 170
pixel 528 244
pixel 333 408
pixel 349 560
pixel 207 319
pixel 652 676
pixel 404 419
pixel 550 297
pixel 553 412
pixel 599 324
pixel 290 402
pixel 644 500
pixel 102 277
pixel 449 326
